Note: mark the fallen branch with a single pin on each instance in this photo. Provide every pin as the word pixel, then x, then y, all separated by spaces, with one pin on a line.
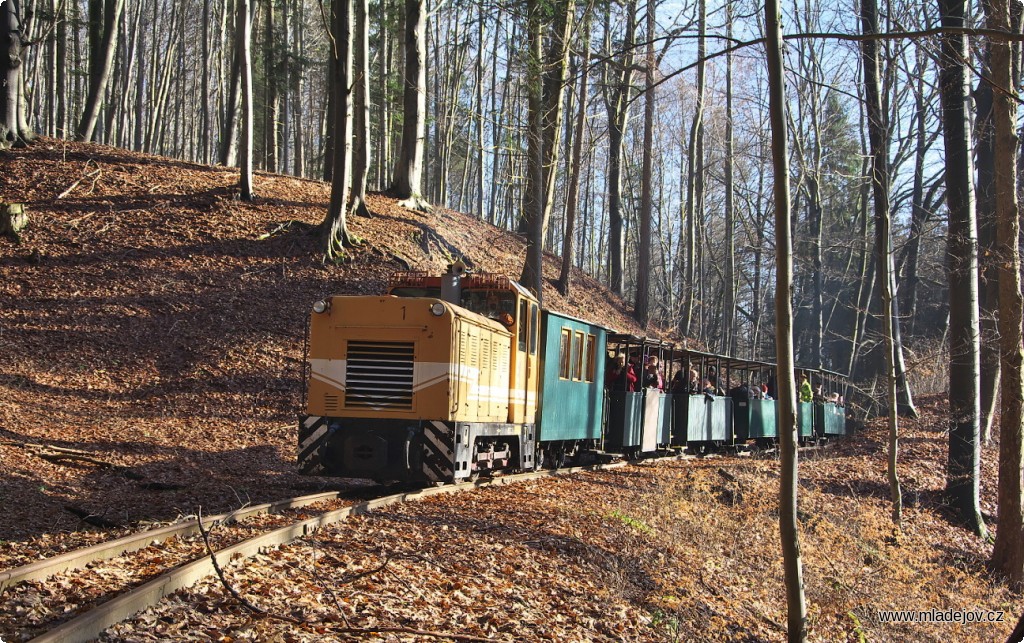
pixel 95 173
pixel 60 457
pixel 725 474
pixel 281 228
pixel 36 445
pixel 89 517
pixel 228 586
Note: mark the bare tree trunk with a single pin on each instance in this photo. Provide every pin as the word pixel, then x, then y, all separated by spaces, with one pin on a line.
pixel 641 309
pixel 229 122
pixel 243 35
pixel 128 70
pixel 361 116
pixel 11 121
pixel 63 88
pixel 552 71
pixel 618 83
pixel 407 181
pixel 297 69
pixel 479 98
pixel 988 276
pixel 1008 551
pixel 98 77
pixel 334 233
pixel 204 91
pixel 883 241
pixel 694 178
pixel 729 330
pixel 272 97
pixel 572 197
pixel 533 274
pixel 789 527
pixel 964 466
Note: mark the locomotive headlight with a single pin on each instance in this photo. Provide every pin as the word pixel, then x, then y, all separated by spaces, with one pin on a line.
pixel 437 309
pixel 321 306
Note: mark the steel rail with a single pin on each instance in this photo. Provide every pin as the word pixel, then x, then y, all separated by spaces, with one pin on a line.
pixel 91 624
pixel 80 558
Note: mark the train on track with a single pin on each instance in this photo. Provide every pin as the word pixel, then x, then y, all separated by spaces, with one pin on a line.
pixel 447 377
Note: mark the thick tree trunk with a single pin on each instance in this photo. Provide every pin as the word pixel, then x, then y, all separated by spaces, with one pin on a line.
pixel 98 77
pixel 877 136
pixel 1008 552
pixel 229 123
pixel 988 276
pixel 334 233
pixel 642 305
pixel 243 34
pixel 204 88
pixel 361 115
pixel 298 46
pixel 407 181
pixel 694 181
pixel 551 67
pixel 533 268
pixel 619 83
pixel 789 527
pixel 576 169
pixel 729 330
pixel 964 466
pixel 272 95
pixel 479 98
pixel 1018 632
pixel 11 64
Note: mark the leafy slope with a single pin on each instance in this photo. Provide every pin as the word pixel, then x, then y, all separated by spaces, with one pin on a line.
pixel 149 320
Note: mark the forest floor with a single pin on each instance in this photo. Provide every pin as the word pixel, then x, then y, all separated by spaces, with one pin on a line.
pixel 151 319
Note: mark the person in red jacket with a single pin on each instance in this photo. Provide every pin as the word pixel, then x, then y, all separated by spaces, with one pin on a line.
pixel 622 376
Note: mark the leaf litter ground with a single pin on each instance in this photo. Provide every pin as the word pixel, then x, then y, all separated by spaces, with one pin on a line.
pixel 153 322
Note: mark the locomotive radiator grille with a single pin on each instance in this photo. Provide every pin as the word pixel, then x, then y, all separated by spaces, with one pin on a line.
pixel 379 375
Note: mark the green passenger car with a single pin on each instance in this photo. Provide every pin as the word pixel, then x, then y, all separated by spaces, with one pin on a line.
pixel 572 385
pixel 805 420
pixel 832 419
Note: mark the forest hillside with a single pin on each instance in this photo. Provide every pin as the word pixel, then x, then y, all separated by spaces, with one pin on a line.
pixel 149 313
pixel 151 320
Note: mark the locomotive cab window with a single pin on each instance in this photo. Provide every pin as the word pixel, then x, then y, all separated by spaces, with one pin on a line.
pixel 489 303
pixel 524 319
pixel 565 355
pixel 534 328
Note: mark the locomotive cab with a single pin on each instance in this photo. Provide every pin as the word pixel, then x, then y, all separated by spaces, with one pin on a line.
pixel 435 382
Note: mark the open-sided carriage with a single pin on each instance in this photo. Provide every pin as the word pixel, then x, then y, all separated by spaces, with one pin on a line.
pixel 639 417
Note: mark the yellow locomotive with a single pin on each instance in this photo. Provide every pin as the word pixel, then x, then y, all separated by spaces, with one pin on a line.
pixel 435 382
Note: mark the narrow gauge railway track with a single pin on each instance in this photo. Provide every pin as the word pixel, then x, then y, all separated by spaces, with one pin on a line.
pixel 120 604
pixel 82 576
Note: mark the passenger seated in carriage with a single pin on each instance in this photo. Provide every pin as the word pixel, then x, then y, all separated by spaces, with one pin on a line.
pixel 677 386
pixel 622 376
pixel 652 374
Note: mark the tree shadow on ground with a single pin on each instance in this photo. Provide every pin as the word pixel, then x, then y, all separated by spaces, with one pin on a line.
pixel 150 490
